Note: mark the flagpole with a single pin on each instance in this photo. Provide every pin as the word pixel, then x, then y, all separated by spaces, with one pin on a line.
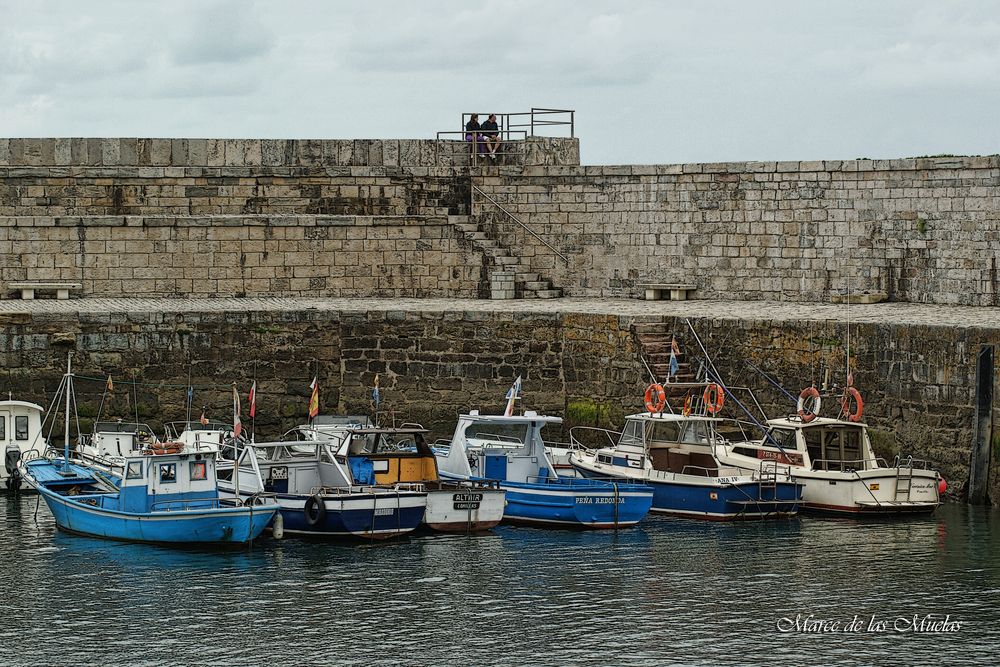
pixel 253 406
pixel 190 393
pixel 100 409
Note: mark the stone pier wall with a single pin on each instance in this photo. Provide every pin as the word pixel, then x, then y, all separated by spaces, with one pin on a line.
pixel 916 379
pixel 920 230
pixel 207 256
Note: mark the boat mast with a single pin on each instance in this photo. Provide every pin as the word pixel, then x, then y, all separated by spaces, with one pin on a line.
pixel 69 384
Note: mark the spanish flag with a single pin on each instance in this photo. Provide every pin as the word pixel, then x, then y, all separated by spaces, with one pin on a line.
pixel 110 385
pixel 314 399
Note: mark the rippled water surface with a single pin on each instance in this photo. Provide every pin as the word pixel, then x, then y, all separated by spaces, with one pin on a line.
pixel 670 591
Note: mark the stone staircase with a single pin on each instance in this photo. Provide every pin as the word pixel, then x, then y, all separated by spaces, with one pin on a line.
pixel 654 343
pixel 528 284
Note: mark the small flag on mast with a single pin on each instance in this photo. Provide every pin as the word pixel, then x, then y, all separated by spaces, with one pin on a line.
pixel 110 385
pixel 314 399
pixel 204 419
pixel 513 394
pixel 237 425
pixel 675 350
pixel 253 400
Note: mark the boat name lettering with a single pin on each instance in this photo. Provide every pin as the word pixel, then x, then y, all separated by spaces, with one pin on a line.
pixel 467 497
pixel 466 506
pixel 384 511
pixel 598 500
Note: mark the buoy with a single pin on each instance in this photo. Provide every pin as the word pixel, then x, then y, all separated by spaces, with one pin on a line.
pixel 278 527
pixel 942 486
pixel 807 413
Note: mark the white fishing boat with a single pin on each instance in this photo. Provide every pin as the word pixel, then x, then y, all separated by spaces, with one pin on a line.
pixel 839 472
pixel 20 431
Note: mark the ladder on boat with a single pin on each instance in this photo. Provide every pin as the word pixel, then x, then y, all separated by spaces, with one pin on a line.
pixel 904 481
pixel 768 480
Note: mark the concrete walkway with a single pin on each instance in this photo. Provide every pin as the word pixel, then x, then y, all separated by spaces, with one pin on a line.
pixel 881 313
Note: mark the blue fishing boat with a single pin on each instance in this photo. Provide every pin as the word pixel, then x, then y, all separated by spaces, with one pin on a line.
pixel 510 449
pixel 170 498
pixel 318 495
pixel 675 455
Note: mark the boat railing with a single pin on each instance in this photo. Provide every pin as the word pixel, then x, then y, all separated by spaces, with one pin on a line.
pixel 186 504
pixel 612 437
pixel 441 446
pixel 495 441
pixel 908 462
pixel 844 465
pixel 580 481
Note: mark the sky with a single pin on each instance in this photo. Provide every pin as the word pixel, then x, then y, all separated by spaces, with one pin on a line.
pixel 651 81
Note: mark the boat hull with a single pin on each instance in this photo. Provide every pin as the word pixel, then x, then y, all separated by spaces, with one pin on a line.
pixel 868 493
pixel 464 510
pixel 707 498
pixel 230 525
pixel 576 503
pixel 371 516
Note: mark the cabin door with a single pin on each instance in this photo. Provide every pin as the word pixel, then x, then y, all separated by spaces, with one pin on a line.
pixel 496 466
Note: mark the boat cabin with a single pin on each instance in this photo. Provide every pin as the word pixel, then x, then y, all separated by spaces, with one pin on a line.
pixel 117 438
pixel 147 483
pixel 821 444
pixel 198 437
pixel 500 447
pixel 20 431
pixel 292 467
pixel 386 456
pixel 667 443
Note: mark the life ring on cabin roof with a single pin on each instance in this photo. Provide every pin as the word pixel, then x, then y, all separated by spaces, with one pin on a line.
pixel 845 404
pixel 713 398
pixel 656 391
pixel 807 414
pixel 160 448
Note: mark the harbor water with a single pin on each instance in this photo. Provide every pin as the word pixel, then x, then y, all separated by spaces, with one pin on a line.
pixel 802 591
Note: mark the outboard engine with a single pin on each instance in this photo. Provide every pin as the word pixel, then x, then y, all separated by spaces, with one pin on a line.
pixel 11 458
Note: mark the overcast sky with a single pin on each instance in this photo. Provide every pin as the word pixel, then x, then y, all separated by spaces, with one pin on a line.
pixel 652 81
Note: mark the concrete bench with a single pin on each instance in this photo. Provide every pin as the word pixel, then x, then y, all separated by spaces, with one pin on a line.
pixel 678 291
pixel 28 288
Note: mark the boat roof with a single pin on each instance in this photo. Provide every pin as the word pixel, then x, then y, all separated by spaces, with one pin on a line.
pixel 528 416
pixel 196 425
pixel 339 420
pixel 21 404
pixel 668 416
pixel 402 430
pixel 291 443
pixel 121 427
pixel 794 421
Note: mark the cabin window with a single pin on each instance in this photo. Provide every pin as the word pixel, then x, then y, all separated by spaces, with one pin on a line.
pixel 134 470
pixel 502 434
pixel 3 428
pixel 851 437
pixel 695 433
pixel 665 432
pixel 632 435
pixel 603 458
pixel 21 428
pixel 784 437
pixel 168 473
pixel 199 471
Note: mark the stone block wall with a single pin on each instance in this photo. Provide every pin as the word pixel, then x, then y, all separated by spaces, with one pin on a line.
pixel 136 152
pixel 209 256
pixel 921 230
pixel 433 364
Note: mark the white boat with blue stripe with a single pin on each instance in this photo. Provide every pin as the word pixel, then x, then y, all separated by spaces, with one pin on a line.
pixel 674 454
pixel 510 449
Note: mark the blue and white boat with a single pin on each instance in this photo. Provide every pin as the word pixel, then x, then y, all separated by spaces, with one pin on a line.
pixel 674 454
pixel 510 449
pixel 170 498
pixel 318 495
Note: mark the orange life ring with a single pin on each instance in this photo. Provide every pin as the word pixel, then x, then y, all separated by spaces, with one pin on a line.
pixel 808 414
pixel 713 398
pixel 655 389
pixel 161 448
pixel 845 404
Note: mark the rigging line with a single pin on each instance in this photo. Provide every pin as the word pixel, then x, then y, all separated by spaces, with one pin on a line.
pixel 774 382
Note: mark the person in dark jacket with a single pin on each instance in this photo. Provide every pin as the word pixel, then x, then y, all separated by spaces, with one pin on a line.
pixel 491 136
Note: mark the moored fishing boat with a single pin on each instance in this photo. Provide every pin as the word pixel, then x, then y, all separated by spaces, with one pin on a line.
pixel 20 431
pixel 834 461
pixel 388 457
pixel 510 450
pixel 170 498
pixel 317 495
pixel 674 454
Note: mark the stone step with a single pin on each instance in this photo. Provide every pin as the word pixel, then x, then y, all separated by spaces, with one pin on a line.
pixel 527 276
pixel 537 285
pixel 505 261
pixel 467 227
pixel 549 293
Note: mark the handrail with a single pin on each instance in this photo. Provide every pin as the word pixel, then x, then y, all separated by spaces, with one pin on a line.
pixel 476 188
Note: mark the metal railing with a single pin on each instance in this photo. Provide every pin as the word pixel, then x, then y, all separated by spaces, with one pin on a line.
pixel 524 123
pixel 479 190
